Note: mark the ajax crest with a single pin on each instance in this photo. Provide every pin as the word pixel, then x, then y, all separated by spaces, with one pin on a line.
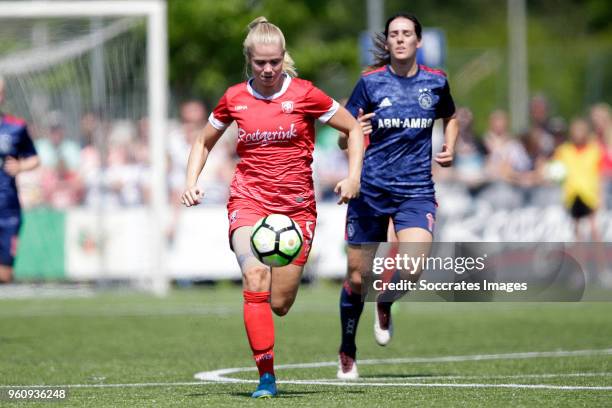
pixel 350 230
pixel 426 99
pixel 287 106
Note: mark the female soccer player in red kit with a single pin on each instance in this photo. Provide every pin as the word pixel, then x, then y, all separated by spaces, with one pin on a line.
pixel 275 113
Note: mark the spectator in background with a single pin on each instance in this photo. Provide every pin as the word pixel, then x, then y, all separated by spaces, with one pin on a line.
pixel 125 178
pixel 469 154
pixel 56 146
pixel 506 161
pixel 60 157
pixel 539 112
pixel 531 180
pixel 582 158
pixel 90 166
pixel 192 120
pixel 558 126
pixel 62 187
pixel 506 156
pixel 193 115
pixel 140 148
pixel 601 120
pixel 536 156
pixel 220 163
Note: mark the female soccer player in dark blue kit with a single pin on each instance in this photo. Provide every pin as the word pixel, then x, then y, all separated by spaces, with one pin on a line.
pixel 396 102
pixel 17 154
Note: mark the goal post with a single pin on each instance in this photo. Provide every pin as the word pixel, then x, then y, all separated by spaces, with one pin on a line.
pixel 154 11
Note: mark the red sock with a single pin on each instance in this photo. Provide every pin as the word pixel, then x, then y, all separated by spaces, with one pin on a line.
pixel 260 329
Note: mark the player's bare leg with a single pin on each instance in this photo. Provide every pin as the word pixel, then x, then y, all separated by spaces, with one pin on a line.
pixel 359 259
pixel 284 287
pixel 413 242
pixel 258 321
pixel 255 275
pixel 6 274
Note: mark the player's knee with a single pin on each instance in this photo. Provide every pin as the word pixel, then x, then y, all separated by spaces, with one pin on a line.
pixel 354 276
pixel 281 308
pixel 355 282
pixel 256 277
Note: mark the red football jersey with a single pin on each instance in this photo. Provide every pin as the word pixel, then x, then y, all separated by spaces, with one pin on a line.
pixel 276 137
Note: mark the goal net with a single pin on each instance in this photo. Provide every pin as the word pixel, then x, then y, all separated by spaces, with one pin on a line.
pixel 89 78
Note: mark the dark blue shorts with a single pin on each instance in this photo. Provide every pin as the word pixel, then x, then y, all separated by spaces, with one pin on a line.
pixel 367 218
pixel 9 231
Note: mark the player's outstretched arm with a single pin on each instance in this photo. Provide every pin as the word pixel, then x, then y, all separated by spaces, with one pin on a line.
pixel 365 121
pixel 203 144
pixel 451 132
pixel 345 123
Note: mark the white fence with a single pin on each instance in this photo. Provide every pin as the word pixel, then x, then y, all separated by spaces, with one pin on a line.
pixel 200 249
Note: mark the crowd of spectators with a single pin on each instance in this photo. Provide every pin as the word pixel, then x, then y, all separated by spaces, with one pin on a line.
pixel 512 170
pixel 107 165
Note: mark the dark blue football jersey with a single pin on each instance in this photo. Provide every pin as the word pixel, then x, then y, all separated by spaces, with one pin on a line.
pixel 16 142
pixel 398 157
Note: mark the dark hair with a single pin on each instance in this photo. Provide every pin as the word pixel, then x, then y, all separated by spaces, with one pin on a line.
pixel 380 53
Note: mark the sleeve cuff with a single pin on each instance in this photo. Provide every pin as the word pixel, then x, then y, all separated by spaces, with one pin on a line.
pixel 216 123
pixel 331 112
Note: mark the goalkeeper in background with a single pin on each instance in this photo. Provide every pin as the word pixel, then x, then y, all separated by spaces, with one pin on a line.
pixel 17 154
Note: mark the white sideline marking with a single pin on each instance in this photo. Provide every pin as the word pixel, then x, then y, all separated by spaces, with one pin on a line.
pixel 471 377
pixel 452 385
pixel 340 383
pixel 220 375
pixel 206 377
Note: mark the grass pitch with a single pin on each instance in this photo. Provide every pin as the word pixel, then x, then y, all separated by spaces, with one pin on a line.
pixel 117 349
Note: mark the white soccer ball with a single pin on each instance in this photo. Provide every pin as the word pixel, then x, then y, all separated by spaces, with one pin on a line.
pixel 555 171
pixel 276 240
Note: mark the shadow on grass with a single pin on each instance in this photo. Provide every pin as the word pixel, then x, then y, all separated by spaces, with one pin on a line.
pixel 281 394
pixel 373 376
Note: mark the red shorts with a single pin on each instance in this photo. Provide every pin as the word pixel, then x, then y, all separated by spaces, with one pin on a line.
pixel 245 213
